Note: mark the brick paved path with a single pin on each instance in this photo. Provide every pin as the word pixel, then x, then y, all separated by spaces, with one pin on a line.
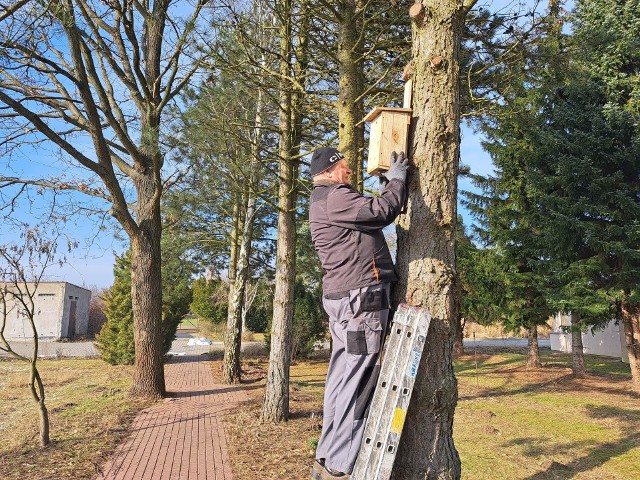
pixel 183 436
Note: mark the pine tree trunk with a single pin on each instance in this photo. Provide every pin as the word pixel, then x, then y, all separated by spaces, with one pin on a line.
pixel 426 241
pixel 276 402
pixel 533 352
pixel 234 237
pixel 631 320
pixel 577 349
pixel 146 296
pixel 231 370
pixel 351 83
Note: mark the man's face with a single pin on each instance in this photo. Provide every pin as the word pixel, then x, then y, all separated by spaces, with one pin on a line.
pixel 341 172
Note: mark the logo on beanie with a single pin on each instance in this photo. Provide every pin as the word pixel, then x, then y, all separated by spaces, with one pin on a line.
pixel 335 157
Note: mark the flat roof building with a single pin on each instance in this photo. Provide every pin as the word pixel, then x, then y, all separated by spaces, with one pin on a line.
pixel 61 311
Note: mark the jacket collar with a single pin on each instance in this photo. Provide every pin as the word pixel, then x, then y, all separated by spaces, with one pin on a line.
pixel 318 183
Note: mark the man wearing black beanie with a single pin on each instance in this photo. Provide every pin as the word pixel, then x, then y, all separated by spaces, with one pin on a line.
pixel 346 229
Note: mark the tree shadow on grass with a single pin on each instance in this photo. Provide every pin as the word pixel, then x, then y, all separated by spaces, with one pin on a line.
pixel 555 383
pixel 597 455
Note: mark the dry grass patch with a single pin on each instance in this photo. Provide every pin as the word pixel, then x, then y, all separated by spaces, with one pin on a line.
pixel 90 413
pixel 268 451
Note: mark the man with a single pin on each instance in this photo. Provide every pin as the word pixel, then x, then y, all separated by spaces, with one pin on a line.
pixel 346 229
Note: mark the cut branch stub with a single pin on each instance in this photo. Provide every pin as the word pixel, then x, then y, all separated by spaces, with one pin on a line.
pixel 416 12
pixel 436 63
pixel 407 71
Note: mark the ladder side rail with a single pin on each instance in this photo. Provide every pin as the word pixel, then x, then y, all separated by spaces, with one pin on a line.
pixel 390 436
pixel 380 399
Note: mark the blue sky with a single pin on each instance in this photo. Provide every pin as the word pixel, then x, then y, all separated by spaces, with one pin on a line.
pixel 91 263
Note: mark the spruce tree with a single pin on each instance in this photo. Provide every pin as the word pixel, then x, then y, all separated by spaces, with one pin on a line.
pixel 586 176
pixel 115 340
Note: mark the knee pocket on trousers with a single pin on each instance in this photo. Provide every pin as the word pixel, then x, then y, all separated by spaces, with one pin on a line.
pixel 366 338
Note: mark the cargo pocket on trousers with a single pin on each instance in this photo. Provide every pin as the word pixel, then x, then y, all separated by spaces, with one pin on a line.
pixel 357 342
pixel 373 300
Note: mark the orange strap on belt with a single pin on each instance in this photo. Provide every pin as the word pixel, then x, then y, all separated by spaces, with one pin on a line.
pixel 375 270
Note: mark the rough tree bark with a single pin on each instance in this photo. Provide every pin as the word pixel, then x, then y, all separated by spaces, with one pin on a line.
pixel 533 351
pixel 631 320
pixel 351 85
pixel 426 238
pixel 577 349
pixel 231 371
pixel 276 401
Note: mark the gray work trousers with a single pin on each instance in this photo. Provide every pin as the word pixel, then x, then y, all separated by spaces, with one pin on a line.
pixel 357 322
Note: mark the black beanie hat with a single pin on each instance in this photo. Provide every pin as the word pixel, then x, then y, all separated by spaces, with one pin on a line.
pixel 323 159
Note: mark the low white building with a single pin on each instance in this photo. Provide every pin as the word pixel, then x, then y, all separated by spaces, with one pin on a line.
pixel 61 311
pixel 608 342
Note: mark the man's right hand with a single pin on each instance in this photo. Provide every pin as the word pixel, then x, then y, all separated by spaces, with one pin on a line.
pixel 398 168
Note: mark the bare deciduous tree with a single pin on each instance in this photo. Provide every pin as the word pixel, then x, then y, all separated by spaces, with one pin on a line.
pixel 21 269
pixel 94 78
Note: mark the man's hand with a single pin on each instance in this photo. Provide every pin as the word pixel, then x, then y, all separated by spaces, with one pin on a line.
pixel 398 168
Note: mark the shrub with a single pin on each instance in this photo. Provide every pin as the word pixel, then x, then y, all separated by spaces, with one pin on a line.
pixel 309 325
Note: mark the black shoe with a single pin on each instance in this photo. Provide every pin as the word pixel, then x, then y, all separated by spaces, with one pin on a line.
pixel 330 474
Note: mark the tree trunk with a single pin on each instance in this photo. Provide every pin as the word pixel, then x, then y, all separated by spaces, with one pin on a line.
pixel 37 392
pixel 233 339
pixel 577 349
pixel 43 421
pixel 426 242
pixel 458 337
pixel 631 320
pixel 276 401
pixel 234 246
pixel 237 310
pixel 231 370
pixel 351 84
pixel 146 290
pixel 533 352
pixel 146 256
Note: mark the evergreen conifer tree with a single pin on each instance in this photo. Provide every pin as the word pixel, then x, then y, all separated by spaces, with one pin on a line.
pixel 115 340
pixel 586 176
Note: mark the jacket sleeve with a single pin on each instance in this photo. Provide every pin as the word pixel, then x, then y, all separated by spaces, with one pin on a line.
pixel 349 209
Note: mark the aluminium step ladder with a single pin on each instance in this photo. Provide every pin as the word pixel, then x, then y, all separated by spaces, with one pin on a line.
pixel 392 394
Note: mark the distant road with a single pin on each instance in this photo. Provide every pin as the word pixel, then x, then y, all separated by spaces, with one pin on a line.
pixel 51 349
pixel 503 342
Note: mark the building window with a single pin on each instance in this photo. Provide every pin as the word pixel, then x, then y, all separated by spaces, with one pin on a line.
pixel 46 294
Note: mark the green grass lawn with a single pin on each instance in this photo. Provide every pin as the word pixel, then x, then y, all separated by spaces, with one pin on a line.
pixel 512 423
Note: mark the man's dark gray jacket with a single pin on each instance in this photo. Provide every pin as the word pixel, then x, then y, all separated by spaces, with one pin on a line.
pixel 346 229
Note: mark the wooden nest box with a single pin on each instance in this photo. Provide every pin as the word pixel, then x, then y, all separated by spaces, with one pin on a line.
pixel 389 132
